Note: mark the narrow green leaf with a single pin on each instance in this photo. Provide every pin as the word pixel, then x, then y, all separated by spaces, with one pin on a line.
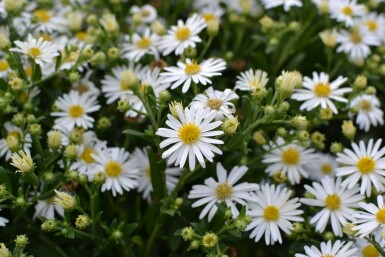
pixel 158 177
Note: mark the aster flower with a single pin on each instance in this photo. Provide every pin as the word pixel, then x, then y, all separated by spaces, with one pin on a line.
pixel 251 80
pixel 272 211
pixel 15 131
pixel 337 202
pixel 366 249
pixel 141 45
pixel 182 35
pixel 86 85
pixel 147 12
pixel 287 4
pixel 120 168
pixel 23 162
pixel 224 190
pixel 372 220
pixel 338 249
pixel 144 180
pixel 49 21
pixel 3 221
pixel 190 136
pixel 288 159
pixel 320 92
pixel 210 13
pixel 217 101
pixel 369 112
pixel 74 109
pixel 323 165
pixel 346 11
pixel 191 71
pixel 366 163
pixel 356 43
pixel 41 51
pixel 375 24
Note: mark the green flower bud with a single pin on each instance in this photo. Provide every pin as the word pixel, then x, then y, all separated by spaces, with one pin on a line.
pixel 210 240
pixel 82 221
pixel 21 241
pixel 188 233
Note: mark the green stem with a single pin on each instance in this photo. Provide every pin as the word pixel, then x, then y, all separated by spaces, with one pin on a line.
pixel 208 44
pixel 151 239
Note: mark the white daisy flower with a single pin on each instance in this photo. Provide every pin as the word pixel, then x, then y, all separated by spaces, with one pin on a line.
pixel 338 249
pixel 224 190
pixel 190 136
pixel 324 165
pixel 217 101
pixel 141 45
pixel 86 163
pixel 346 11
pixel 211 13
pixel 144 180
pixel 318 91
pixel 366 163
pixel 49 21
pixel 356 44
pixel 74 109
pixel 369 111
pixel 15 131
pixel 4 68
pixel 245 7
pixel 113 86
pixel 251 80
pixel 191 71
pixel 47 208
pixel 120 168
pixel 147 12
pixel 366 249
pixel 337 203
pixel 183 35
pixel 371 221
pixel 288 159
pixel 85 85
pixel 3 221
pixel 41 51
pixel 375 23
pixel 271 212
pixel 287 4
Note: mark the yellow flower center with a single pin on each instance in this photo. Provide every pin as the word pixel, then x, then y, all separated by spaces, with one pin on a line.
pixel 327 255
pixel 209 16
pixel 347 10
pixel 3 65
pixel 189 133
pixel 366 165
pixel 215 103
pixel 43 15
pixel 370 251
pixel 380 216
pixel 356 37
pixel 372 25
pixel 81 35
pixel 333 202
pixel 182 33
pixel 34 52
pixel 82 88
pixel 145 13
pixel 271 213
pixel 148 172
pixel 192 68
pixel 71 57
pixel 124 85
pixel 224 191
pixel 326 168
pixel 46 37
pixel 76 111
pixel 143 43
pixel 113 169
pixel 322 90
pixel 290 156
pixel 14 133
pixel 143 87
pixel 365 105
pixel 86 155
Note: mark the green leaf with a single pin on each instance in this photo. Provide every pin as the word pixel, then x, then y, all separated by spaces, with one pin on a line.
pixel 4 178
pixel 235 141
pixel 158 176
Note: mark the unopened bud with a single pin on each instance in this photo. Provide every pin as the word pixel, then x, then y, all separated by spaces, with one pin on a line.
pixel 348 129
pixel 230 125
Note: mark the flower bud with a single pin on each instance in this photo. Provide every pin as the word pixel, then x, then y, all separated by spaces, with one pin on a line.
pixel 99 178
pixel 23 162
pixel 71 152
pixel 20 201
pixel 348 129
pixel 113 53
pixel 82 221
pixel 348 229
pixel 98 59
pixel 371 90
pixel 259 138
pixel 65 200
pixel 49 225
pixel 336 147
pixel 128 79
pixel 123 105
pixel 164 96
pixel 109 23
pixel 281 132
pixel 158 28
pixel 173 105
pixel 266 22
pixel 230 125
pixel 329 38
pixel 188 233
pixel 299 122
pixel 4 252
pixel 212 27
pixel 195 245
pixel 326 114
pixel 103 123
pixel 360 82
pixel 12 143
pixel 303 135
pixel 3 191
pixel 54 139
pixel 287 82
pixel 210 240
pixel 21 241
pixel 116 235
